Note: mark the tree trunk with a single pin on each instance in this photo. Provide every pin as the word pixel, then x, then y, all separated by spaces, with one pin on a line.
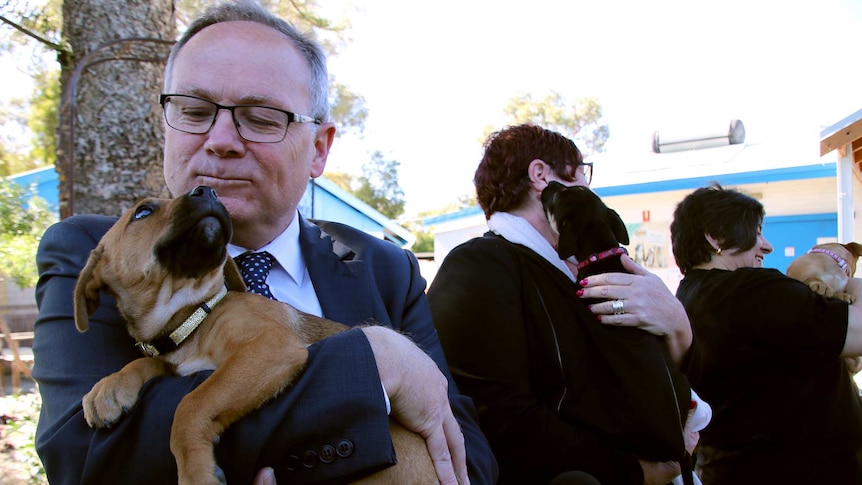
pixel 110 134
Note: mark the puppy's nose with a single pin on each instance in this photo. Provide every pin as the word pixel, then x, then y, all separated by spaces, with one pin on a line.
pixel 203 191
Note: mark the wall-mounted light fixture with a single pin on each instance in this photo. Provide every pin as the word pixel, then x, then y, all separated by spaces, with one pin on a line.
pixel 666 141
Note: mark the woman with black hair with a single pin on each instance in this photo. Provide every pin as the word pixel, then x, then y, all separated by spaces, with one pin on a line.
pixel 784 407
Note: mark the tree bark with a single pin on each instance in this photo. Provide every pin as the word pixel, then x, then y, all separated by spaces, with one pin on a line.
pixel 110 133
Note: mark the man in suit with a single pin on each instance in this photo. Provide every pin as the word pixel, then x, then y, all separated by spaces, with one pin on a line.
pixel 332 424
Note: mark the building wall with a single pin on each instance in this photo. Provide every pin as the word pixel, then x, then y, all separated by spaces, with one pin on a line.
pixel 800 203
pixel 318 203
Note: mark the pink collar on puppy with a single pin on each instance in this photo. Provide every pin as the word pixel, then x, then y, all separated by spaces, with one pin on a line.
pixel 602 255
pixel 838 259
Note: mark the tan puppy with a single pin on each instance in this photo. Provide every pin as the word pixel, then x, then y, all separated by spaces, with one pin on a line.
pixel 826 268
pixel 184 301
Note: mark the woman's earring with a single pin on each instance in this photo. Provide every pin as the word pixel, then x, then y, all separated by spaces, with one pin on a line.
pixel 718 251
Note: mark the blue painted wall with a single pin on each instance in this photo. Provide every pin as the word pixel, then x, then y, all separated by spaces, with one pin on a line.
pixel 319 203
pixel 46 185
pixel 773 175
pixel 797 232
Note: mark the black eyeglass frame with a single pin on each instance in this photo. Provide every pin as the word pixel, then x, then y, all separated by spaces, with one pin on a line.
pixel 291 117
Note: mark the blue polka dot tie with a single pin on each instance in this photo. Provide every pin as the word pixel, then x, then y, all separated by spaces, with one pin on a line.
pixel 254 268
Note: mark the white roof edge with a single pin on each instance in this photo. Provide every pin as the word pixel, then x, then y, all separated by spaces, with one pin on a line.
pixel 366 209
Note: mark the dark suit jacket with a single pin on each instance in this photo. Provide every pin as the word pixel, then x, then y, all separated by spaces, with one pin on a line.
pixel 337 405
pixel 533 358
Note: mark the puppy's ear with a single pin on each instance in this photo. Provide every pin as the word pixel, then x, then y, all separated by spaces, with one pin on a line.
pixel 87 289
pixel 232 277
pixel 618 226
pixel 854 248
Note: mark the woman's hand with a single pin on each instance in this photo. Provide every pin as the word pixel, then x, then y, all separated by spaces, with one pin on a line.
pixel 646 303
pixel 659 473
pixel 691 434
pixel 265 477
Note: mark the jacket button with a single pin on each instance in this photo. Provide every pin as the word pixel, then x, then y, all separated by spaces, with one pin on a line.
pixel 292 462
pixel 327 453
pixel 344 448
pixel 309 459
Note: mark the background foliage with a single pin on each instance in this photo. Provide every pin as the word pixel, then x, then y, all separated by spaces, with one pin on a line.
pixel 23 218
pixel 37 25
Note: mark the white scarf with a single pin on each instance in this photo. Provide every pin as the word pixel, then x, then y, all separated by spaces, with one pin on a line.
pixel 517 230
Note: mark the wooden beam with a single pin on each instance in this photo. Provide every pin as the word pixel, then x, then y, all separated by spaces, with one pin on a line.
pixel 842 133
pixel 839 139
pixel 857 158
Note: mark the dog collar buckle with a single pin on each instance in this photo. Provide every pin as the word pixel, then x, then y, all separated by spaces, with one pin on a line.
pixel 147 349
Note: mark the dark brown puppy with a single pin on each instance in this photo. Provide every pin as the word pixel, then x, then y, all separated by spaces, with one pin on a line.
pixel 647 410
pixel 184 301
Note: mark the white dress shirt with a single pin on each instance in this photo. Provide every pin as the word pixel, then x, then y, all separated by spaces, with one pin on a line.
pixel 288 279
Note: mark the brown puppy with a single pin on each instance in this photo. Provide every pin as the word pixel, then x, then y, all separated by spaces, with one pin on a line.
pixel 826 268
pixel 184 301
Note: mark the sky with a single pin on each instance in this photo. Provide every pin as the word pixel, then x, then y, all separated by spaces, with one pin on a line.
pixel 435 74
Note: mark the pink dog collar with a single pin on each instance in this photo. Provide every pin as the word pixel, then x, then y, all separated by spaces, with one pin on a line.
pixel 603 255
pixel 838 259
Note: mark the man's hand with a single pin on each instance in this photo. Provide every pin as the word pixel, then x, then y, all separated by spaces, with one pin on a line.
pixel 418 393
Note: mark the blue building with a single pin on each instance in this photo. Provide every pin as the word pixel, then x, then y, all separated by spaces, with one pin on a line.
pixel 807 194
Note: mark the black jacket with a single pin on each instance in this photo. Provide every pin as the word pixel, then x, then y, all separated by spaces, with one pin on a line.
pixel 785 409
pixel 521 343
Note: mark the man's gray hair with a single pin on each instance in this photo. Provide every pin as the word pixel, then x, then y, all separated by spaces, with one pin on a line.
pixel 252 11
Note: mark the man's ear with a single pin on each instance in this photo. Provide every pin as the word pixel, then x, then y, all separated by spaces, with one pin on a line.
pixel 323 138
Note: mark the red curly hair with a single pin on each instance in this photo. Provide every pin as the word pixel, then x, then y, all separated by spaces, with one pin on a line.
pixel 501 179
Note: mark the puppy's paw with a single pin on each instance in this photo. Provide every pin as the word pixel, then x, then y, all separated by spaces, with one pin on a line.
pixel 846 297
pixel 109 399
pixel 821 288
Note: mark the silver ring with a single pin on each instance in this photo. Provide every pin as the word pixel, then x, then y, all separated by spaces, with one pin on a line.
pixel 617 306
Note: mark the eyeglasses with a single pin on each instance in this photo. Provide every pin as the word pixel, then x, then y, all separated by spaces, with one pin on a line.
pixel 262 124
pixel 586 168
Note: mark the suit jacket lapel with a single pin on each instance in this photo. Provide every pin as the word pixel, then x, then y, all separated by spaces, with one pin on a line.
pixel 337 276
